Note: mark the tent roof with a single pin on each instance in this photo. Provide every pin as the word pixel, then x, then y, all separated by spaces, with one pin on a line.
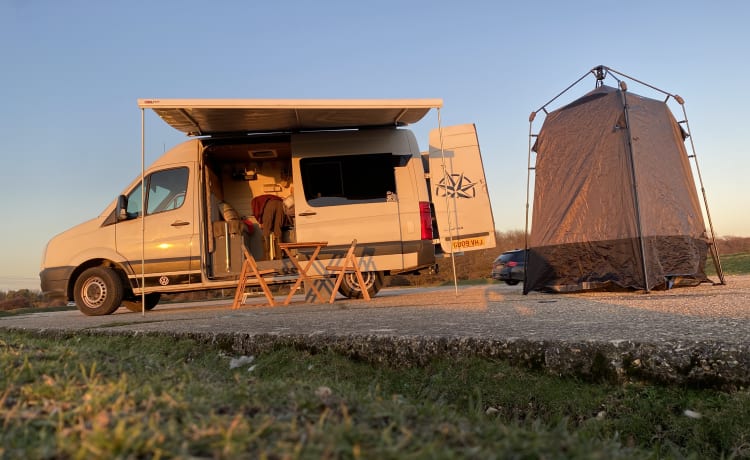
pixel 197 117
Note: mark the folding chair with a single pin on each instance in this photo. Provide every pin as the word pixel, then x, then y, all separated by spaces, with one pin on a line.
pixel 350 266
pixel 250 270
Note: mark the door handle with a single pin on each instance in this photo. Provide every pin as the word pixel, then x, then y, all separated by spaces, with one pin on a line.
pixel 180 223
pixel 308 213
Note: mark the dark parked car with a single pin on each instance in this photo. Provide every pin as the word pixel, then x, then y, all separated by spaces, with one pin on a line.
pixel 509 267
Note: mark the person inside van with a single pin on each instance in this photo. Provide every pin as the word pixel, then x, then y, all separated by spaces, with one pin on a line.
pixel 269 212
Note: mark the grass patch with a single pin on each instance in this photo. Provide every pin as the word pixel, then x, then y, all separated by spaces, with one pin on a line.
pixel 732 264
pixel 135 397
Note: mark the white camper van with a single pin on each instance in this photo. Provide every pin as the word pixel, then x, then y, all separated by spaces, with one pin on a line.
pixel 257 172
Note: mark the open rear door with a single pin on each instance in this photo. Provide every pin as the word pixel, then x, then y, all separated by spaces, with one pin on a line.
pixel 458 190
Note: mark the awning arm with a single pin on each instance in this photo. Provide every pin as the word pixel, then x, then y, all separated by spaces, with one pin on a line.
pixel 143 212
pixel 451 224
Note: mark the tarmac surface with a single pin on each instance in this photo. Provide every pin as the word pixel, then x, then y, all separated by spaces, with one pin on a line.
pixel 698 335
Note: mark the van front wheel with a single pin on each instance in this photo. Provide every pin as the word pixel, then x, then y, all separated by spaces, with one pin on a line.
pixel 350 286
pixel 98 291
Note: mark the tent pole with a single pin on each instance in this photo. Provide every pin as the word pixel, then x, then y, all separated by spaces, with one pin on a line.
pixel 624 88
pixel 714 250
pixel 610 70
pixel 528 194
pixel 544 107
pixel 143 214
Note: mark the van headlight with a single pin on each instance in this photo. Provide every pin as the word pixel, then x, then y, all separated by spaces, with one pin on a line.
pixel 44 257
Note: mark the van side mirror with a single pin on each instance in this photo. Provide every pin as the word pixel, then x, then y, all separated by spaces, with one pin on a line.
pixel 122 208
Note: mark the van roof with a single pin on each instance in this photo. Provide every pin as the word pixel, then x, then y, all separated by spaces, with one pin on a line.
pixel 200 117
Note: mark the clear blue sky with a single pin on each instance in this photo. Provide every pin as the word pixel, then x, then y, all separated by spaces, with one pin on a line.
pixel 71 73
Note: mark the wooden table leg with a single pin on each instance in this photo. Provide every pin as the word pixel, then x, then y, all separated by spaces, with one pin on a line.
pixel 303 273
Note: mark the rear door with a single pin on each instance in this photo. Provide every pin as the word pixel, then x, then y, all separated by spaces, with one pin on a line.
pixel 458 190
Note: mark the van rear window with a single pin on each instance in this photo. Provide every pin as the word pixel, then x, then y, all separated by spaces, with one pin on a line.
pixel 346 179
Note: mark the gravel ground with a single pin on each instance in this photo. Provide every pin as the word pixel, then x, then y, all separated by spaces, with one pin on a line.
pixel 698 335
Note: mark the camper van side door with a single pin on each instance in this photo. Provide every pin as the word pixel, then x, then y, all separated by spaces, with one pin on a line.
pixel 169 228
pixel 458 190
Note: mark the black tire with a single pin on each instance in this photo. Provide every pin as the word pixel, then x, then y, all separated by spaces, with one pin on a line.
pixel 135 305
pixel 350 286
pixel 98 291
pixel 512 282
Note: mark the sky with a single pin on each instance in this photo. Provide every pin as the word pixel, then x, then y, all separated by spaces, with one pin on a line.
pixel 72 71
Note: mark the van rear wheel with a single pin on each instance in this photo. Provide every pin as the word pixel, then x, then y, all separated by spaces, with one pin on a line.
pixel 350 286
pixel 98 291
pixel 135 305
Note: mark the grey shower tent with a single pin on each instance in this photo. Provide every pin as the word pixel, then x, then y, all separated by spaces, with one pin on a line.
pixel 615 201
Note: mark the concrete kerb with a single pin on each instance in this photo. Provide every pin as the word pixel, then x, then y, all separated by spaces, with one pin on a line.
pixel 700 364
pixel 692 336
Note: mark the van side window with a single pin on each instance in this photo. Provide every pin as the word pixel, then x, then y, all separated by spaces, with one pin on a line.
pixel 348 179
pixel 166 191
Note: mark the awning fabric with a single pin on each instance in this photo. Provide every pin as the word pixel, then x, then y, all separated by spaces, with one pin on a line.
pixel 202 117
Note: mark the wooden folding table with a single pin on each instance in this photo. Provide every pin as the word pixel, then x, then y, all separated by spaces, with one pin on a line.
pixel 316 246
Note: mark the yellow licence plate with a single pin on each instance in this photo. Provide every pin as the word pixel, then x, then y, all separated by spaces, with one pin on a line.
pixel 467 243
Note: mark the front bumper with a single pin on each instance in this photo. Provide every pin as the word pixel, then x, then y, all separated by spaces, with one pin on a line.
pixel 54 281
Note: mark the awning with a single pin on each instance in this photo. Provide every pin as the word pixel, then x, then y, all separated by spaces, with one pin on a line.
pixel 200 117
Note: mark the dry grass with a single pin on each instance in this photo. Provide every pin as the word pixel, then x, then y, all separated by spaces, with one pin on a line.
pixel 150 397
pixel 733 245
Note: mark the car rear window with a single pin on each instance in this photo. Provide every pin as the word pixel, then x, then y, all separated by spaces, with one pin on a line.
pixel 515 256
